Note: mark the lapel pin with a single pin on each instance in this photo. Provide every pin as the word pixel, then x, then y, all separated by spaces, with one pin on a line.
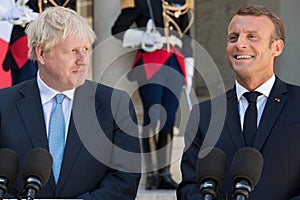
pixel 277 100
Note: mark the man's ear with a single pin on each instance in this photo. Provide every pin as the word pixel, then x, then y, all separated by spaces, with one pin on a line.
pixel 278 46
pixel 40 54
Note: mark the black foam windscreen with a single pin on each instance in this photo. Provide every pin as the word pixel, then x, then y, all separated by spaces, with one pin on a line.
pixel 247 164
pixel 211 164
pixel 38 163
pixel 9 164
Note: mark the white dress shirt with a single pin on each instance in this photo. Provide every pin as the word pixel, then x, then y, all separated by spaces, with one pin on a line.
pixel 264 89
pixel 48 97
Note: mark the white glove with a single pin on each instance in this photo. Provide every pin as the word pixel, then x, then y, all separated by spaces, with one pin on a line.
pixel 21 2
pixel 30 16
pixel 150 40
pixel 132 38
pixel 189 69
pixel 15 12
pixel 19 15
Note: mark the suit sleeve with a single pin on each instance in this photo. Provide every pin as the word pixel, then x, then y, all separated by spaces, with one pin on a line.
pixel 122 179
pixel 189 187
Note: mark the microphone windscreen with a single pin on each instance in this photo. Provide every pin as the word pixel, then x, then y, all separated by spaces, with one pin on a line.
pixel 247 164
pixel 38 163
pixel 9 164
pixel 211 164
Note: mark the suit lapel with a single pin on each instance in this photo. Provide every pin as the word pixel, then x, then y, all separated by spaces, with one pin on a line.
pixel 273 108
pixel 31 112
pixel 84 102
pixel 233 119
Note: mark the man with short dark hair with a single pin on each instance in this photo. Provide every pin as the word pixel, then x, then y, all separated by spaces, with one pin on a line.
pixel 255 38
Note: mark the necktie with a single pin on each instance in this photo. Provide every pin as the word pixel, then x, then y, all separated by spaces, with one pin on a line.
pixel 57 135
pixel 250 119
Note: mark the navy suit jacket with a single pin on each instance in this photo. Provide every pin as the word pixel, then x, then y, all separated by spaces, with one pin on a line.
pixel 278 139
pixel 102 131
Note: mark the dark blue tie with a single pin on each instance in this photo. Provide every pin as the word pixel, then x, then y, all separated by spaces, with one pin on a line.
pixel 57 135
pixel 250 119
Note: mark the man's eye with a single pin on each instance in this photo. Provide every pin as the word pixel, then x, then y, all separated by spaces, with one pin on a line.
pixel 252 36
pixel 85 49
pixel 232 38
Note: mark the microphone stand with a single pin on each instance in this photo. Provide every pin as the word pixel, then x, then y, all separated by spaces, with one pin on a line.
pixel 242 190
pixel 208 197
pixel 208 190
pixel 33 185
pixel 3 187
pixel 240 197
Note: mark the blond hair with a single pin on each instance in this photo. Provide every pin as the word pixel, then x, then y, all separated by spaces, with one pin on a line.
pixel 55 24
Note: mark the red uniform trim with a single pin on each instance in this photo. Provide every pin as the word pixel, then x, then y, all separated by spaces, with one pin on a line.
pixel 3 52
pixel 5 76
pixel 19 51
pixel 153 61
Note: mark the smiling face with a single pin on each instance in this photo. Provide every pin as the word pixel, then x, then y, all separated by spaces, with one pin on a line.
pixel 65 66
pixel 250 49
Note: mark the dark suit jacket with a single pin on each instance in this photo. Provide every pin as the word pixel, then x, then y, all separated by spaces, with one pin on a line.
pixel 278 140
pixel 103 122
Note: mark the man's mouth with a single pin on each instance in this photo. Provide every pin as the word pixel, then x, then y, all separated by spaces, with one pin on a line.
pixel 242 57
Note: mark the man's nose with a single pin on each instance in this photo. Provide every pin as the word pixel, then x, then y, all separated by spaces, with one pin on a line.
pixel 241 42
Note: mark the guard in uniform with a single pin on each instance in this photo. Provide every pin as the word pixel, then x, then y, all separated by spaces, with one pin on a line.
pixel 163 65
pixel 16 59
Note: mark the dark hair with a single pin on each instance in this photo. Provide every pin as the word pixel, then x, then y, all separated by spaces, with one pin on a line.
pixel 258 10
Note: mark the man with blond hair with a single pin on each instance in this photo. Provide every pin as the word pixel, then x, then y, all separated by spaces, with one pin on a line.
pixel 96 148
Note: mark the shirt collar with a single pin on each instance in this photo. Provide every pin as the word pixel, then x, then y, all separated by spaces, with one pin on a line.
pixel 265 88
pixel 48 93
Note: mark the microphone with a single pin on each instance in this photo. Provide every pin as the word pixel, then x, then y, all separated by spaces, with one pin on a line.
pixel 37 170
pixel 246 169
pixel 210 171
pixel 9 165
